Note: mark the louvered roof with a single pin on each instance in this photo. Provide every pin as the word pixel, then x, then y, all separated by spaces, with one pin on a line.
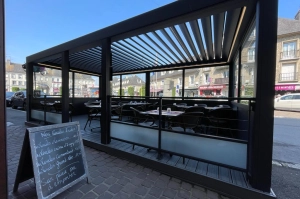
pixel 184 33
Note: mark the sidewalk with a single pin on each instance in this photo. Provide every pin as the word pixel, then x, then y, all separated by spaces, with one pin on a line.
pixel 111 177
pixel 287 114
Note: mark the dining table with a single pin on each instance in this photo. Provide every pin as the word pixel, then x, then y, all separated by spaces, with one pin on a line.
pixel 165 114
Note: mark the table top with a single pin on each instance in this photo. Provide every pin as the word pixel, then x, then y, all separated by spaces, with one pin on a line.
pixel 136 103
pixel 164 112
pixel 99 106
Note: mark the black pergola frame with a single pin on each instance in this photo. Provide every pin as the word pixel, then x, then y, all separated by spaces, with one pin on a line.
pixel 180 12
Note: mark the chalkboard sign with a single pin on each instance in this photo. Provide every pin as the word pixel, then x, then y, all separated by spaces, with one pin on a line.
pixel 58 158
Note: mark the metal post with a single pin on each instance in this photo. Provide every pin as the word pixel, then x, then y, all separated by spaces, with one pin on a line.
pixel 65 86
pixel 265 56
pixel 105 91
pixel 29 88
pixel 159 155
pixel 3 161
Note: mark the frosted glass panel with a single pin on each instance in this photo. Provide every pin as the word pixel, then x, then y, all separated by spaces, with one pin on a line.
pixel 220 151
pixel 145 136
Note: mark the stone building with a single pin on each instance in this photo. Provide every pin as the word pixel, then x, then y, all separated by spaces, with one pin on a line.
pixel 288 63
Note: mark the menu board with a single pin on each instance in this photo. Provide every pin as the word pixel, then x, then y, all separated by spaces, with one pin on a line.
pixel 58 157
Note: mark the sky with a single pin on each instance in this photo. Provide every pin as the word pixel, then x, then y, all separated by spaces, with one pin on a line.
pixel 36 25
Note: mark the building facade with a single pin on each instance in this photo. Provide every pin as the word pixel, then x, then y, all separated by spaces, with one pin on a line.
pixel 288 63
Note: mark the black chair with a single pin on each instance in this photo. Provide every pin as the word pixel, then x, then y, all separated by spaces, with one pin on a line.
pixel 195 109
pixel 93 114
pixel 187 122
pixel 127 112
pixel 116 113
pixel 142 118
pixel 221 120
pixel 58 109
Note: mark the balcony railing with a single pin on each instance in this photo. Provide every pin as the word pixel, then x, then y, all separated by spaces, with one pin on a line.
pixel 289 54
pixel 222 80
pixel 288 76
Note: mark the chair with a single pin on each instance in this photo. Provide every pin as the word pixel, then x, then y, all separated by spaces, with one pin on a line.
pixel 58 109
pixel 201 105
pixel 221 119
pixel 195 109
pixel 116 113
pixel 93 114
pixel 139 116
pixel 126 111
pixel 187 121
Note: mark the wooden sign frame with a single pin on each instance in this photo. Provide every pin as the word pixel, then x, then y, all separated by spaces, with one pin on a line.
pixel 33 164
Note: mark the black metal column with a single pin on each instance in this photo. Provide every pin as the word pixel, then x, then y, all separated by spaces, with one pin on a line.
pixel 147 89
pixel 29 89
pixel 231 80
pixel 3 161
pixel 262 139
pixel 183 84
pixel 105 91
pixel 239 74
pixel 65 86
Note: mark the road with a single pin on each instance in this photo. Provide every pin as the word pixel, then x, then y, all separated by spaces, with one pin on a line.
pixel 286 149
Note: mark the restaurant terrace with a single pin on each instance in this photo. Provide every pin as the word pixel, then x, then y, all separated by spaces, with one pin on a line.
pixel 222 142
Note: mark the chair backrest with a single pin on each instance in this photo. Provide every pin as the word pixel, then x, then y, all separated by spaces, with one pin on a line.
pixel 57 107
pixel 201 105
pixel 195 109
pixel 191 119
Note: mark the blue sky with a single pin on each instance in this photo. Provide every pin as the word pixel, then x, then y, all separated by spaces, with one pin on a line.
pixel 36 25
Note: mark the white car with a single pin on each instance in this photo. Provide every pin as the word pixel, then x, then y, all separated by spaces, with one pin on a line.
pixel 288 102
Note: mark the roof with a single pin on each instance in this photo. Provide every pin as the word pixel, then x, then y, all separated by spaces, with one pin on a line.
pixel 183 33
pixel 286 26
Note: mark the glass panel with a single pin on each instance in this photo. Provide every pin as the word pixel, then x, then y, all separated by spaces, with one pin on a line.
pixel 86 85
pixel 47 81
pixel 116 86
pixel 167 84
pixel 133 84
pixel 213 81
pixel 248 69
pixel 236 75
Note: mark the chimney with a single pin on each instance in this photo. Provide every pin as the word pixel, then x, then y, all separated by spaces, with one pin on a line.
pixel 297 17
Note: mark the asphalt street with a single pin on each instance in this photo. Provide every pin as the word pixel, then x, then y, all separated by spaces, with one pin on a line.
pixel 286 150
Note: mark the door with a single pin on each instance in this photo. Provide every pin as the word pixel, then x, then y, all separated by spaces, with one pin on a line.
pixel 284 102
pixel 296 102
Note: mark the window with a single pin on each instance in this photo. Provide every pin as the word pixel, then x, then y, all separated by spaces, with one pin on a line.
pixel 13 76
pixel 162 72
pixel 171 71
pixel 42 79
pixel 226 74
pixel 288 72
pixel 20 83
pixel 288 97
pixel 20 76
pixel 6 75
pixel 296 96
pixel 14 82
pixel 251 53
pixel 179 80
pixel 289 50
pixel 207 78
pixel 192 79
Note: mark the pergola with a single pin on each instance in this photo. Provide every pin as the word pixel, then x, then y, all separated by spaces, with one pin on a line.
pixel 183 34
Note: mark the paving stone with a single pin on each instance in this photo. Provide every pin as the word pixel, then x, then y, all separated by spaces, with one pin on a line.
pixel 129 188
pixel 105 196
pixel 100 189
pixel 75 194
pixel 142 175
pixel 169 193
pixel 164 178
pixel 130 174
pixel 147 183
pixel 90 195
pixel 121 195
pixel 30 194
pixel 176 180
pixel 98 180
pixel 156 191
pixel 200 188
pixel 111 180
pixel 150 197
pixel 123 181
pixel 94 174
pixel 115 188
pixel 183 194
pixel 118 174
pixel 174 185
pixel 161 184
pixel 186 186
pixel 140 190
pixel 198 193
pixel 86 188
pixel 136 181
pixel 103 169
pixel 212 195
pixel 134 196
pixel 106 174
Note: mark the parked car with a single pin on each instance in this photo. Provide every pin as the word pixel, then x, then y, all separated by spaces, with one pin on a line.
pixel 8 96
pixel 288 102
pixel 19 100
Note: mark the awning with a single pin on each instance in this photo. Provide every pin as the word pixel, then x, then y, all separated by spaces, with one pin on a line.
pixel 286 87
pixel 211 87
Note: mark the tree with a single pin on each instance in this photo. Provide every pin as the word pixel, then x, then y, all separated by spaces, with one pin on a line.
pixel 130 91
pixel 60 90
pixel 173 91
pixel 15 89
pixel 142 91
